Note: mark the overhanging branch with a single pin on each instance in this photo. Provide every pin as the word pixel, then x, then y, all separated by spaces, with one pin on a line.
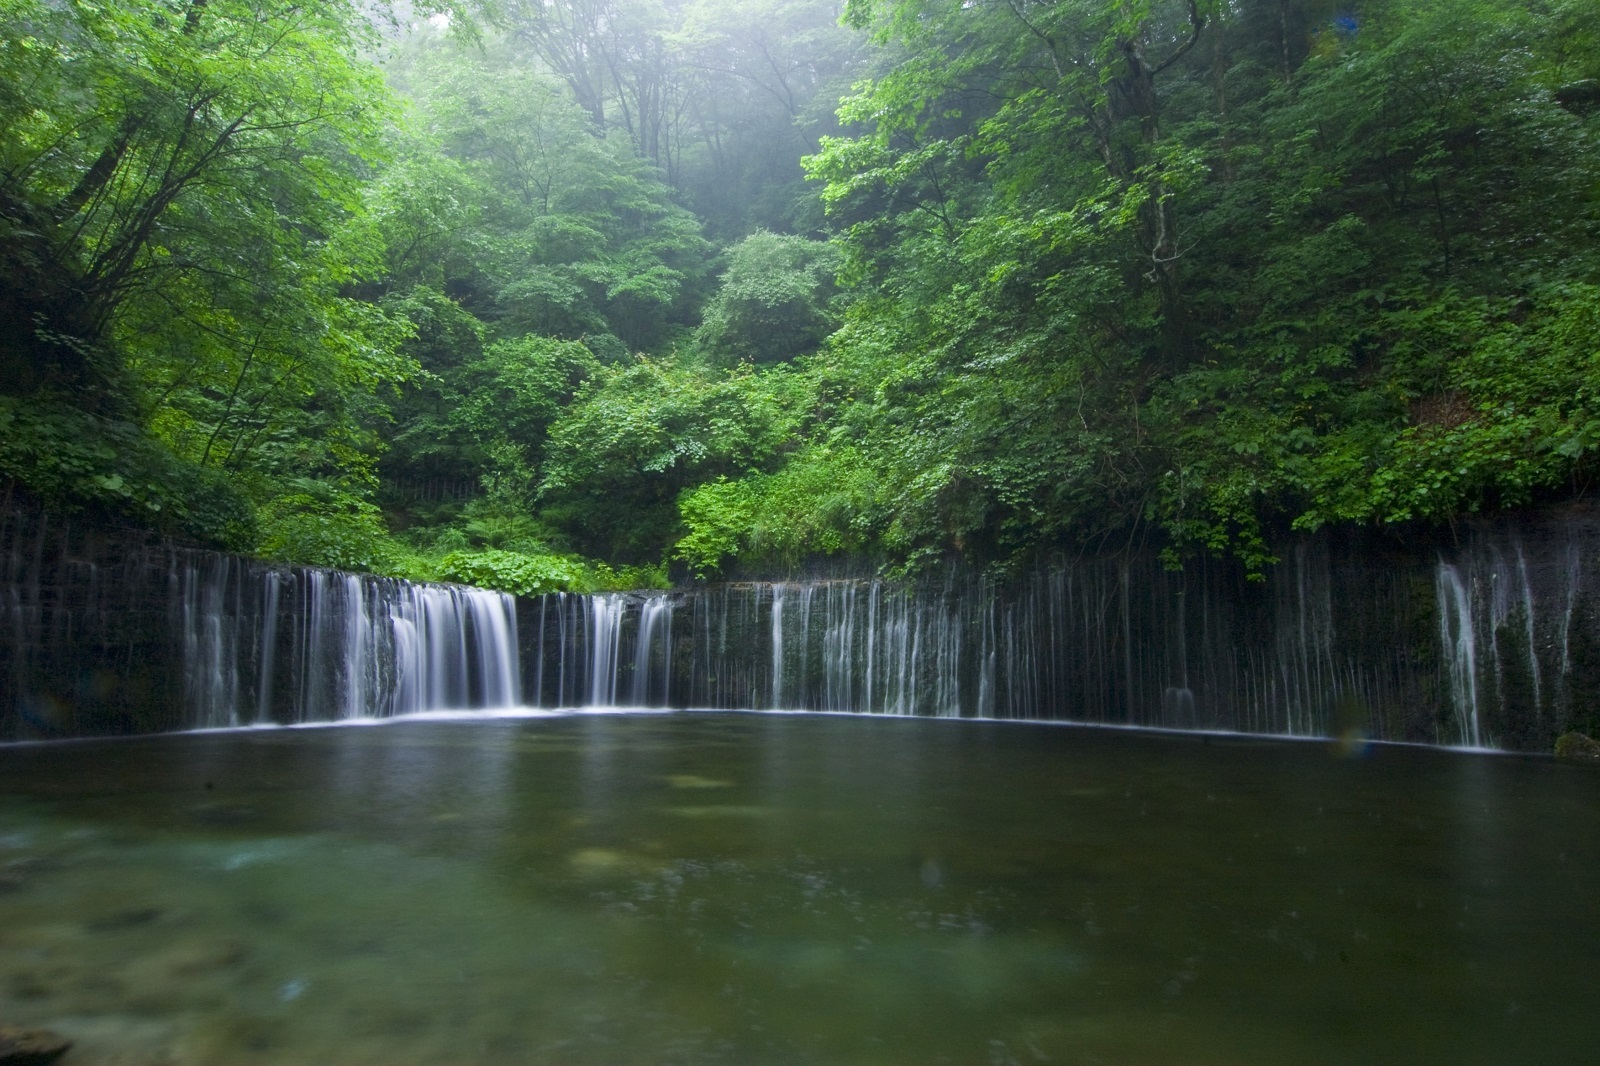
pixel 1197 22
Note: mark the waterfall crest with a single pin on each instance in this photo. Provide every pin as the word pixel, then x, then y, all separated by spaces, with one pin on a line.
pixel 1492 640
pixel 99 636
pixel 1489 641
pixel 264 645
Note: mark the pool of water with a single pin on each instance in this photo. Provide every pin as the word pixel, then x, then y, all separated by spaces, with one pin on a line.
pixel 794 889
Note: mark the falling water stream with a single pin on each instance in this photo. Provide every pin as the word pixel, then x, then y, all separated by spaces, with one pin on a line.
pixel 1478 648
pixel 1491 642
pixel 317 645
pixel 165 639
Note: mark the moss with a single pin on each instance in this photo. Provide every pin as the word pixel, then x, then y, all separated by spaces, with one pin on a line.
pixel 1577 747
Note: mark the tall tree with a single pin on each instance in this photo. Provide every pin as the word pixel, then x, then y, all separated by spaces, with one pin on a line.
pixel 180 197
pixel 573 234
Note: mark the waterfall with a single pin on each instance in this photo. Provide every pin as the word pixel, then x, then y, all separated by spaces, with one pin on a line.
pixel 102 633
pixel 1478 647
pixel 494 626
pixel 600 650
pixel 605 640
pixel 655 624
pixel 1489 638
pixel 1459 641
pixel 210 637
pixel 777 646
pixel 354 646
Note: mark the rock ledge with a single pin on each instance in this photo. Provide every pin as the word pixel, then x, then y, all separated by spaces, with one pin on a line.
pixel 30 1047
pixel 1574 746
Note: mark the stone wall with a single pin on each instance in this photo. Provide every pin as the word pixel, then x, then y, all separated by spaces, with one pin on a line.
pixel 108 632
pixel 86 641
pixel 1483 635
pixel 1487 634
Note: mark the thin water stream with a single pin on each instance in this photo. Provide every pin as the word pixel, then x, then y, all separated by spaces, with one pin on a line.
pixel 794 889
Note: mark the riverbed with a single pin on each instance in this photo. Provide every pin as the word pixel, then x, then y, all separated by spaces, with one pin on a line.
pixel 752 889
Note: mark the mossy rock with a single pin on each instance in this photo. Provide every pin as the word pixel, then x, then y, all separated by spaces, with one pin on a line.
pixel 30 1047
pixel 1578 747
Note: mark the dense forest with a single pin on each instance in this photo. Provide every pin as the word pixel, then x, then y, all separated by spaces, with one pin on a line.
pixel 542 294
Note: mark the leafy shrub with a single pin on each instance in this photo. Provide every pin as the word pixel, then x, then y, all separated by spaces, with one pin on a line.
pixel 75 461
pixel 525 574
pixel 324 526
pixel 773 303
pixel 637 436
pixel 822 502
pixel 514 572
pixel 718 516
pixel 602 578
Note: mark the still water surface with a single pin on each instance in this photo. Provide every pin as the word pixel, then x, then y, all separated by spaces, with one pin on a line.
pixel 779 889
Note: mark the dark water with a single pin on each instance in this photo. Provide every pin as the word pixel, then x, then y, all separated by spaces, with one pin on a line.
pixel 755 889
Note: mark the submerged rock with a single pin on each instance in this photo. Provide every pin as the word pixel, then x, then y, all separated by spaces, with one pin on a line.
pixel 1578 747
pixel 224 814
pixel 121 920
pixel 595 861
pixel 30 1047
pixel 695 781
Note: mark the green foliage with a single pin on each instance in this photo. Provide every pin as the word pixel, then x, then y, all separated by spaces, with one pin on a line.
pixel 1209 271
pixel 525 574
pixel 514 572
pixel 721 96
pixel 638 435
pixel 512 397
pixel 323 526
pixel 718 516
pixel 490 523
pixel 773 302
pixel 1507 416
pixel 1220 269
pixel 532 222
pixel 823 501
pixel 181 220
pixel 76 461
pixel 493 542
pixel 148 173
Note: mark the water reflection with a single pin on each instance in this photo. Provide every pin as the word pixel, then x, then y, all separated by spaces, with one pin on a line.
pixel 701 888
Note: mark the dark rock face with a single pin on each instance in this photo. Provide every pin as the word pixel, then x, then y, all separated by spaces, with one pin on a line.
pixel 1577 748
pixel 1486 637
pixel 30 1047
pixel 107 633
pixel 86 643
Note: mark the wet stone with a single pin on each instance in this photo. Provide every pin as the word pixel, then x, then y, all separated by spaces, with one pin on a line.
pixel 30 1047
pixel 1577 747
pixel 128 919
pixel 223 814
pixel 28 985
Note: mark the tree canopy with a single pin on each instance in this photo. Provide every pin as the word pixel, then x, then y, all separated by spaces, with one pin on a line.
pixel 576 293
